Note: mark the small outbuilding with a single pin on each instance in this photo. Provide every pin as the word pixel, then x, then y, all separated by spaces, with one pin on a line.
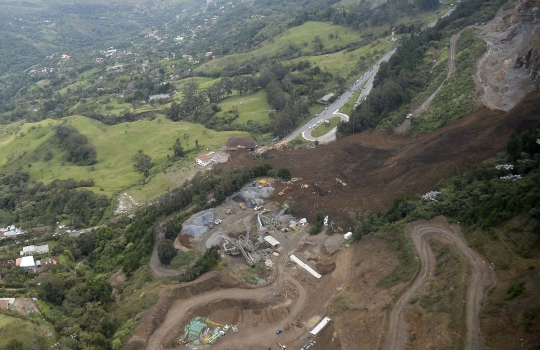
pixel 327 98
pixel 203 160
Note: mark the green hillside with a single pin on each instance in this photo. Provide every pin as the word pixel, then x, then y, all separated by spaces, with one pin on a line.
pixel 300 39
pixel 116 145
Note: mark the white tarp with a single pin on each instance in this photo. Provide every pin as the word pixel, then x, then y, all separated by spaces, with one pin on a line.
pixel 305 266
pixel 273 242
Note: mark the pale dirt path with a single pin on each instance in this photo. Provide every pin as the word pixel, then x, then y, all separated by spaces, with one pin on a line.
pixel 178 312
pixel 480 276
pixel 401 129
pixel 155 264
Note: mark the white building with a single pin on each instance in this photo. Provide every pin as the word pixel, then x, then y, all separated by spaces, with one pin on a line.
pixel 34 249
pixel 27 262
pixel 10 231
pixel 203 160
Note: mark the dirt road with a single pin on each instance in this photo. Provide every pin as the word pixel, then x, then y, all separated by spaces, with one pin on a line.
pixel 480 276
pixel 180 310
pixel 401 129
pixel 155 264
pixel 178 313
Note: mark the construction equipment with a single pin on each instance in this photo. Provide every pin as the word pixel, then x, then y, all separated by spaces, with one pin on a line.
pixel 283 192
pixel 304 186
pixel 242 244
pixel 263 182
pixel 206 320
pixel 341 183
pixel 229 211
pixel 242 205
pixel 282 347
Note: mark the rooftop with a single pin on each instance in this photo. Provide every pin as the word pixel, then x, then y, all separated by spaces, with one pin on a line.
pixel 204 157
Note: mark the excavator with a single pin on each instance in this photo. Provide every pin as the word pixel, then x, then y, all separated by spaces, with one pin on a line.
pixel 283 192
pixel 282 347
pixel 341 183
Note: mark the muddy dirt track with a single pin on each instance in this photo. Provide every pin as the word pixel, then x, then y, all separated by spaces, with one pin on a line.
pixel 480 277
pixel 380 166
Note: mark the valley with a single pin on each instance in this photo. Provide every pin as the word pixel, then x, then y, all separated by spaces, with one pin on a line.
pixel 269 175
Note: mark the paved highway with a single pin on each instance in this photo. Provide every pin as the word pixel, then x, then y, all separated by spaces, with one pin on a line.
pixel 336 105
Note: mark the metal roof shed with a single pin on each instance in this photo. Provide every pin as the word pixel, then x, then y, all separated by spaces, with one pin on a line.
pixel 320 326
pixel 273 242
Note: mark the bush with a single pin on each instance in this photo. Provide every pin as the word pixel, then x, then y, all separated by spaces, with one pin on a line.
pixel 515 289
pixel 166 251
pixel 284 174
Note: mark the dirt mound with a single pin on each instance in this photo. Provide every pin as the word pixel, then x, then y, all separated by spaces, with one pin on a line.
pixel 379 167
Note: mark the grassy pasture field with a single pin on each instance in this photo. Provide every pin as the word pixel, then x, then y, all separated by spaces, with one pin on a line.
pixel 301 36
pixel 250 107
pixel 32 335
pixel 24 146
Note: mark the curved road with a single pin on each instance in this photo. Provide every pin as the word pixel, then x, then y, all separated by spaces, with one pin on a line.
pixel 336 105
pixel 480 277
pixel 330 135
pixel 178 312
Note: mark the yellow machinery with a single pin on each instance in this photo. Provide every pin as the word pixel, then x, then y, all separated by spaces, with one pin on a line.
pixel 215 324
pixel 341 183
pixel 282 347
pixel 283 192
pixel 242 205
pixel 229 211
pixel 263 182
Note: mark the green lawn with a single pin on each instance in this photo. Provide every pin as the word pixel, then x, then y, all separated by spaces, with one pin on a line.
pixel 250 107
pixel 301 36
pixel 325 127
pixel 116 146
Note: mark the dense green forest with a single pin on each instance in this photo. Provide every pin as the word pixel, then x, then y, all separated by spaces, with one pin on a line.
pixel 38 204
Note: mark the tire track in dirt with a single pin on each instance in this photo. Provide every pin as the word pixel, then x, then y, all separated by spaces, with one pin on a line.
pixel 180 310
pixel 451 69
pixel 480 276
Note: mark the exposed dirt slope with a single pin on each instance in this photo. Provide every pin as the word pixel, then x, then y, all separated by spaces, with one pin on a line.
pixel 378 167
pixel 481 276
